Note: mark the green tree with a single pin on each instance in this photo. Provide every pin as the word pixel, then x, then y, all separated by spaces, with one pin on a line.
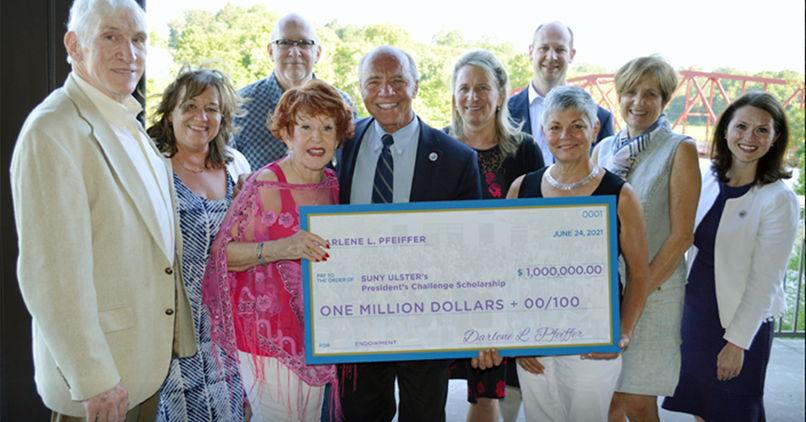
pixel 796 139
pixel 238 37
pixel 451 38
pixel 520 70
pixel 585 69
pixel 235 35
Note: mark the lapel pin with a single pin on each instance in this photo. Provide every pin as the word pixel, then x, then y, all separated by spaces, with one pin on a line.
pixel 433 156
pixel 742 213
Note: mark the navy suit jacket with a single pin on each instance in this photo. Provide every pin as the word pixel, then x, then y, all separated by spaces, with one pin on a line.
pixel 519 110
pixel 452 174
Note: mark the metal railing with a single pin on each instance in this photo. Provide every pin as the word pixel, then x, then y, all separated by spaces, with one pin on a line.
pixel 792 325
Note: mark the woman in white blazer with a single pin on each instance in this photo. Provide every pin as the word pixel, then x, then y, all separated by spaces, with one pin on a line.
pixel 746 224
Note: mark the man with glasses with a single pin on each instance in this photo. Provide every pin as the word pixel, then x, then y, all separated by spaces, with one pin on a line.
pixel 294 49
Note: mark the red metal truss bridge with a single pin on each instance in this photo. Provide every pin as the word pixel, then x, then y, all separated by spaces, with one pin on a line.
pixel 699 101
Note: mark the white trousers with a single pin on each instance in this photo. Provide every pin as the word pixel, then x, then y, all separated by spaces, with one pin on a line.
pixel 570 390
pixel 283 396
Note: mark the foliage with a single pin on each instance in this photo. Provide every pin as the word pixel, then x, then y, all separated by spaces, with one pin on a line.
pixel 791 287
pixel 584 69
pixel 238 36
pixel 796 139
pixel 798 185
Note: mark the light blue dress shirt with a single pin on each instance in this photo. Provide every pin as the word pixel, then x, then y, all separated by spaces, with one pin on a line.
pixel 536 115
pixel 404 154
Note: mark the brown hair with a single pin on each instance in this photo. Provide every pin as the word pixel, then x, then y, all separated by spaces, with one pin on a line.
pixel 771 166
pixel 191 83
pixel 315 98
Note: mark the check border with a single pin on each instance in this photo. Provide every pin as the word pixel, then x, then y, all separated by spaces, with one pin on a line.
pixel 608 201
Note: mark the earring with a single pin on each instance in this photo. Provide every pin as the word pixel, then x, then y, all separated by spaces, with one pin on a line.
pixel 333 160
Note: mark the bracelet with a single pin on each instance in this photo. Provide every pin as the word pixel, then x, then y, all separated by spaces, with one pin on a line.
pixel 260 254
pixel 734 345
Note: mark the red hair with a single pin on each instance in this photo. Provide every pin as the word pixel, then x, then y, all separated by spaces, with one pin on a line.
pixel 315 98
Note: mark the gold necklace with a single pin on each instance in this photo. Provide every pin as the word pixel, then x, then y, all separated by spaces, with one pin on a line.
pixel 189 168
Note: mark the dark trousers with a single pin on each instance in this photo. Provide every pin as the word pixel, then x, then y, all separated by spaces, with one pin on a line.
pixel 423 392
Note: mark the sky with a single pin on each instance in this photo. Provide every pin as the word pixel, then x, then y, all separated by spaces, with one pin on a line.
pixel 748 36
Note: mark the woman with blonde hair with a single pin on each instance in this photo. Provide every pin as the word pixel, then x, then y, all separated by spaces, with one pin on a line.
pixel 480 119
pixel 662 167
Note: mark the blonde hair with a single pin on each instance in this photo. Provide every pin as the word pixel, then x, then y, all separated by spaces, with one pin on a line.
pixel 632 73
pixel 508 133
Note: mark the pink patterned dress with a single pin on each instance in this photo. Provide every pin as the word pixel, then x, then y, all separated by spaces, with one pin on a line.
pixel 260 310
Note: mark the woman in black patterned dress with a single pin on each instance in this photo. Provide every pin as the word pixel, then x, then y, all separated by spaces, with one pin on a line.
pixel 480 119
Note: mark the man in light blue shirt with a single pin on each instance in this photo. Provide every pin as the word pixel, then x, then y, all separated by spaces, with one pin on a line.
pixel 424 164
pixel 551 52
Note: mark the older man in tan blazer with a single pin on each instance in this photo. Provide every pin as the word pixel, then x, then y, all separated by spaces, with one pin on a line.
pixel 98 231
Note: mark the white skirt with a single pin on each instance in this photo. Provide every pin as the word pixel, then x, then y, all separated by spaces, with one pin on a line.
pixel 279 394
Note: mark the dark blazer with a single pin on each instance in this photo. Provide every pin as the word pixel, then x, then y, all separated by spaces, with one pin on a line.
pixel 452 174
pixel 519 110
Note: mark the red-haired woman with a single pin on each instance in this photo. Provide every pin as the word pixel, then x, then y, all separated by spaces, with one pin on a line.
pixel 253 287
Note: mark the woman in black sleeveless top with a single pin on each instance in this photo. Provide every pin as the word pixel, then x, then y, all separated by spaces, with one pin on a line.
pixel 579 387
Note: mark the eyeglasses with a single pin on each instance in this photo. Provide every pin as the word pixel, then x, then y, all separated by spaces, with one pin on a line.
pixel 301 44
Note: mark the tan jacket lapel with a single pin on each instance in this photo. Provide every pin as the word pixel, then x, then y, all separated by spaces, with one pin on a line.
pixel 119 162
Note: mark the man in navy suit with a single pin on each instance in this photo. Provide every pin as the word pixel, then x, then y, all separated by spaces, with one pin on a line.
pixel 551 52
pixel 428 165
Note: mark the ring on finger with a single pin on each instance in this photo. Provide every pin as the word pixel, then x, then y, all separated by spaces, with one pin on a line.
pixel 310 251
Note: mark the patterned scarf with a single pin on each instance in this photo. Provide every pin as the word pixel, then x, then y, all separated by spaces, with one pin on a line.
pixel 625 150
pixel 260 311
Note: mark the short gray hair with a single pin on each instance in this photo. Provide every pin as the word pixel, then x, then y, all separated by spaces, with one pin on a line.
pixel 86 16
pixel 564 97
pixel 508 133
pixel 388 49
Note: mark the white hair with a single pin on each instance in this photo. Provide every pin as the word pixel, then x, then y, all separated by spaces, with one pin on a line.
pixel 86 16
pixel 388 49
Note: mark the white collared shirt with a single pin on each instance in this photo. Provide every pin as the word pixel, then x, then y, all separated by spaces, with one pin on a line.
pixel 536 116
pixel 150 166
pixel 404 154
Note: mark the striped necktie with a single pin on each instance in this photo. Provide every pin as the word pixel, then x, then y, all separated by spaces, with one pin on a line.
pixel 384 174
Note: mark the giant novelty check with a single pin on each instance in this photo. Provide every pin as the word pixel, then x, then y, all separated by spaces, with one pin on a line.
pixel 446 279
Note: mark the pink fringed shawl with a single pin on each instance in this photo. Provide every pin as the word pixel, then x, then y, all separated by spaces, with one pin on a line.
pixel 260 310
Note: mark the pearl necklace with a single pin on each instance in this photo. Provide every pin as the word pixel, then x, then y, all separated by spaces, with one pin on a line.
pixel 571 186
